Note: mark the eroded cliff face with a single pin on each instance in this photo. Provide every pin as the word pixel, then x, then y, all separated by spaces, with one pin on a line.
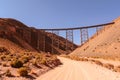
pixel 30 38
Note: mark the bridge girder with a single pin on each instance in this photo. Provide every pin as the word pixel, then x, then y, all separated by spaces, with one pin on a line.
pixel 84 35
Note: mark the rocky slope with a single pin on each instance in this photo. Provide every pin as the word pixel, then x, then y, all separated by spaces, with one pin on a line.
pixel 19 57
pixel 17 63
pixel 106 44
pixel 30 38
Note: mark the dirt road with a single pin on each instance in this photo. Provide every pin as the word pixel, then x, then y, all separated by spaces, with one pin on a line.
pixel 76 70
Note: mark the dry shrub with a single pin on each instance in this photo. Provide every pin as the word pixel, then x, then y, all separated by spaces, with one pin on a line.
pixel 57 62
pixel 108 65
pixel 16 64
pixel 43 61
pixel 91 60
pixel 4 64
pixel 77 58
pixel 8 73
pixel 25 59
pixel 117 69
pixel 34 73
pixel 84 59
pixel 34 62
pixel 80 59
pixel 2 57
pixel 74 58
pixel 53 57
pixel 39 56
pixel 3 49
pixel 8 58
pixel 98 62
pixel 23 71
pixel 52 62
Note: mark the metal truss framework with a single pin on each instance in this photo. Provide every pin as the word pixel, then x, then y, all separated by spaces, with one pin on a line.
pixel 69 35
pixel 84 35
pixel 55 40
pixel 69 38
pixel 42 38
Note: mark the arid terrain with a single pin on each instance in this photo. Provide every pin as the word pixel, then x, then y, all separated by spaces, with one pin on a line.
pixel 17 63
pixel 19 57
pixel 31 38
pixel 79 70
pixel 97 59
pixel 104 44
pixel 23 57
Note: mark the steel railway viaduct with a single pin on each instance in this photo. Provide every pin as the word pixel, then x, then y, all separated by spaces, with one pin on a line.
pixel 69 36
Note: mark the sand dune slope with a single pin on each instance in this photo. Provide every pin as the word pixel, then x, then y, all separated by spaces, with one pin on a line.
pixel 76 70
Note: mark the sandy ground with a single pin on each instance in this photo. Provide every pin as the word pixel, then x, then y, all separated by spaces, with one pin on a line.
pixel 77 70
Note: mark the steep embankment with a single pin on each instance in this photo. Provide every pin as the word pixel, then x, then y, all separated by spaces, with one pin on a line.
pixel 12 30
pixel 16 62
pixel 106 44
pixel 12 47
pixel 30 38
pixel 19 60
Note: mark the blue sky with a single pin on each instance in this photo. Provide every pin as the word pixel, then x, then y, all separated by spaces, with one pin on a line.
pixel 60 13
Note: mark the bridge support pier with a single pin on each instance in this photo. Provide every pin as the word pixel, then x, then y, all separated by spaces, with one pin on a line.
pixel 41 40
pixel 38 40
pixel 69 38
pixel 84 35
pixel 98 29
pixel 67 45
pixel 55 39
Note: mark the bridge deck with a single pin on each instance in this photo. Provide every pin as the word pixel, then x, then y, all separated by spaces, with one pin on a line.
pixel 84 27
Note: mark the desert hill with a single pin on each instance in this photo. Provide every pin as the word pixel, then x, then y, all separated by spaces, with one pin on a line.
pixel 17 63
pixel 19 58
pixel 27 37
pixel 105 43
